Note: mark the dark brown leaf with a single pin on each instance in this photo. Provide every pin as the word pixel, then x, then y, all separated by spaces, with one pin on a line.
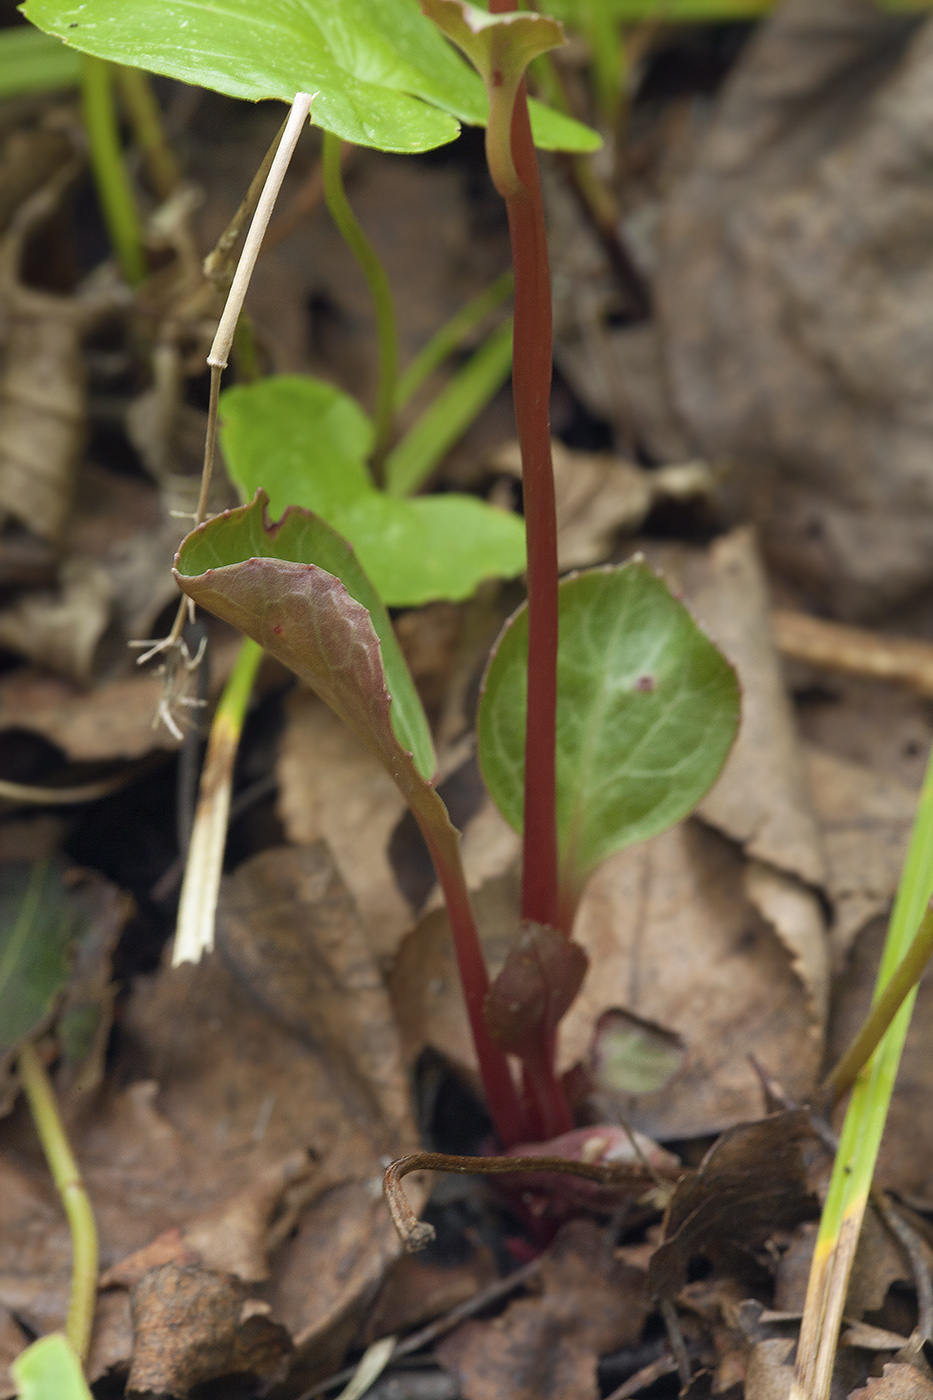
pixel 750 1183
pixel 540 978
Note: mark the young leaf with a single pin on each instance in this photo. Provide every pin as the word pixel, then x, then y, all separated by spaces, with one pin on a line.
pixel 383 76
pixel 297 589
pixel 50 1370
pixel 500 47
pixel 279 585
pixel 36 930
pixel 303 443
pixel 534 989
pixel 647 709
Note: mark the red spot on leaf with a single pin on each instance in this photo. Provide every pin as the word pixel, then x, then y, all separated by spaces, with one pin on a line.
pixel 497 77
pixel 277 629
pixel 647 683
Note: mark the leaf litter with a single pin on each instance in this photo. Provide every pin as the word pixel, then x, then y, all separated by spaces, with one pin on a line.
pixel 233 1129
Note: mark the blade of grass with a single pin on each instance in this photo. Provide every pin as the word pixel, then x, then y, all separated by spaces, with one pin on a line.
pixel 44 1109
pixel 31 61
pixel 113 185
pixel 450 336
pixel 380 291
pixel 198 904
pixel 864 1124
pixel 142 109
pixel 446 419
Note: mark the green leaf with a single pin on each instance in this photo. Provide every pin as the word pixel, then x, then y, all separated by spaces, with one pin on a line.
pixel 633 1056
pixel 384 77
pixel 50 1370
pixel 297 589
pixel 35 62
pixel 303 443
pixel 448 416
pixel 36 931
pixel 647 710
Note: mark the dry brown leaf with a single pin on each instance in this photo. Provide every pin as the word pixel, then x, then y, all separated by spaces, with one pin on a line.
pixel 599 497
pixel 114 720
pixel 865 816
pixel 547 1348
pixel 761 799
pixel 192 1325
pixel 330 786
pixel 291 932
pixel 233 1238
pixel 898 1381
pixel 750 1183
pixel 219 1095
pixel 417 1290
pixel 60 629
pixel 673 939
pixel 790 295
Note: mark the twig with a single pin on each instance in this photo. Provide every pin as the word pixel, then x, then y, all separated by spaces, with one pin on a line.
pixel 912 1245
pixel 647 1375
pixel 676 1339
pixel 44 1109
pixel 417 1233
pixel 854 651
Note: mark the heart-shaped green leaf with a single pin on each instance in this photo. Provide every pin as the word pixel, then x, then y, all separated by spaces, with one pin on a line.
pixel 298 590
pixel 647 710
pixel 304 443
pixel 36 932
pixel 382 74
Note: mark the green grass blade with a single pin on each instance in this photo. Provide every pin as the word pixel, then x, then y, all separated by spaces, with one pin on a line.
pixel 860 1141
pixel 410 463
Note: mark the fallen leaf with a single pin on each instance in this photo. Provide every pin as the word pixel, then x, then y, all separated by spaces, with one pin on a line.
pixel 599 497
pixel 114 720
pixel 898 1381
pixel 750 1183
pixel 192 1325
pixel 547 1348
pixel 332 786
pixel 219 1094
pixel 865 816
pixel 790 298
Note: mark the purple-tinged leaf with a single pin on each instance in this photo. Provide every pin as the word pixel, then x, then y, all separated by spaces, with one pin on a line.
pixel 540 978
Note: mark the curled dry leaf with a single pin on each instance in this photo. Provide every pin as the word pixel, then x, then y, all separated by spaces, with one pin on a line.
pixel 750 1183
pixel 192 1325
pixel 547 1347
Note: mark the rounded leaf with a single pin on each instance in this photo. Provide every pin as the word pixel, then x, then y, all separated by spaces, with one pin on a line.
pixel 647 710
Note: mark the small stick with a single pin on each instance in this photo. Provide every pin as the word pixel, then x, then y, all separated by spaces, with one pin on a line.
pixel 854 651
pixel 417 1233
pixel 223 340
pixel 647 1375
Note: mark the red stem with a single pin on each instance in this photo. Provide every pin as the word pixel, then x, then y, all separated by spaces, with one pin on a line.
pixel 531 382
pixel 501 1095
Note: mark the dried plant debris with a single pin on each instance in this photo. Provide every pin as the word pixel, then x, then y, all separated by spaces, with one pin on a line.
pixel 220 1098
pixel 898 1381
pixel 591 1303
pixel 791 291
pixel 751 1183
pixel 192 1325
